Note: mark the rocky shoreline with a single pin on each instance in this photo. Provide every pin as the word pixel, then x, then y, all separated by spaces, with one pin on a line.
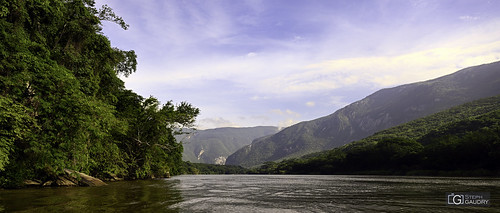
pixel 70 178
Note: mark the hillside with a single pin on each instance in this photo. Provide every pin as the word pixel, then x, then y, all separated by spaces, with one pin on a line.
pixel 64 107
pixel 213 146
pixel 464 140
pixel 381 110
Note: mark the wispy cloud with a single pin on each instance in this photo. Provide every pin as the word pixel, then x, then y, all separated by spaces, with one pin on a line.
pixel 383 71
pixel 310 103
pixel 287 123
pixel 287 117
pixel 239 60
pixel 469 18
pixel 215 123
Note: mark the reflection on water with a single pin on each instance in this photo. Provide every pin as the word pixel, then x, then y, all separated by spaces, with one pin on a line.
pixel 257 193
pixel 125 196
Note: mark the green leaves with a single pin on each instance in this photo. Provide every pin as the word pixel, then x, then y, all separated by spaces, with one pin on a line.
pixel 15 128
pixel 63 106
pixel 4 10
pixel 128 62
pixel 107 14
pixel 152 148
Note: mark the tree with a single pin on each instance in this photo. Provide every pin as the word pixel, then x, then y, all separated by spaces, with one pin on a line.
pixel 15 128
pixel 152 149
pixel 396 153
pixel 63 105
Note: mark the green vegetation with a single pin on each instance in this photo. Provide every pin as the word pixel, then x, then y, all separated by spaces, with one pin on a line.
pixel 211 169
pixel 62 105
pixel 381 110
pixel 463 140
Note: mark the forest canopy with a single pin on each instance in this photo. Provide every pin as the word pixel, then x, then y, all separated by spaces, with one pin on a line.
pixel 63 105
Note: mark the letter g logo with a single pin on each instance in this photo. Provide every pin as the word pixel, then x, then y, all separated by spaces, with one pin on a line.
pixel 458 199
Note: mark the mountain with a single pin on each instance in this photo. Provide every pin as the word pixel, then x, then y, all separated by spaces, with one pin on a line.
pixel 381 110
pixel 212 146
pixel 463 140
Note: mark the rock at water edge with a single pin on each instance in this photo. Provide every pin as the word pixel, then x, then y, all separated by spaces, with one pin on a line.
pixel 86 180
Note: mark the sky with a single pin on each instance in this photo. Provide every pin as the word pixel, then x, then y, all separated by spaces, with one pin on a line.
pixel 280 62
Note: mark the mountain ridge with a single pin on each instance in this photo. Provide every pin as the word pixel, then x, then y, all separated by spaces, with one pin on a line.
pixel 213 146
pixel 380 110
pixel 462 140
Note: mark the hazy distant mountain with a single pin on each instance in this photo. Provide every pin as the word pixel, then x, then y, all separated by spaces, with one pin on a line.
pixel 212 146
pixel 381 110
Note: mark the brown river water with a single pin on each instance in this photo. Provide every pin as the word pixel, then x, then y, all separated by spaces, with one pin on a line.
pixel 259 193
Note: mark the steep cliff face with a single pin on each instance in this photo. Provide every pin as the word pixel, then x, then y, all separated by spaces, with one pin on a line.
pixel 381 110
pixel 213 146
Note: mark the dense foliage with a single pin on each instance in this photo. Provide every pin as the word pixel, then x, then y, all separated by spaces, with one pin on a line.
pixel 62 104
pixel 211 169
pixel 464 140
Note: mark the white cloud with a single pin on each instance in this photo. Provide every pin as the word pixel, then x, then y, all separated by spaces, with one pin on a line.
pixel 290 112
pixel 272 76
pixel 251 54
pixel 286 112
pixel 258 98
pixel 287 123
pixel 215 123
pixel 383 71
pixel 290 68
pixel 469 18
pixel 208 53
pixel 337 102
pixel 310 103
pixel 287 117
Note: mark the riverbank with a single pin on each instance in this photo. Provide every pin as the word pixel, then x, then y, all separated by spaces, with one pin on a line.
pixel 69 178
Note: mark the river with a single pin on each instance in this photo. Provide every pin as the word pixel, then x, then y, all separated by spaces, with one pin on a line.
pixel 258 193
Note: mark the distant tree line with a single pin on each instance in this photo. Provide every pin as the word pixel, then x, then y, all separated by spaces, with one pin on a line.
pixel 62 104
pixel 211 169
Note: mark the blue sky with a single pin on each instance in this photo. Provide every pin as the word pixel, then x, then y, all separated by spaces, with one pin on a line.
pixel 279 62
